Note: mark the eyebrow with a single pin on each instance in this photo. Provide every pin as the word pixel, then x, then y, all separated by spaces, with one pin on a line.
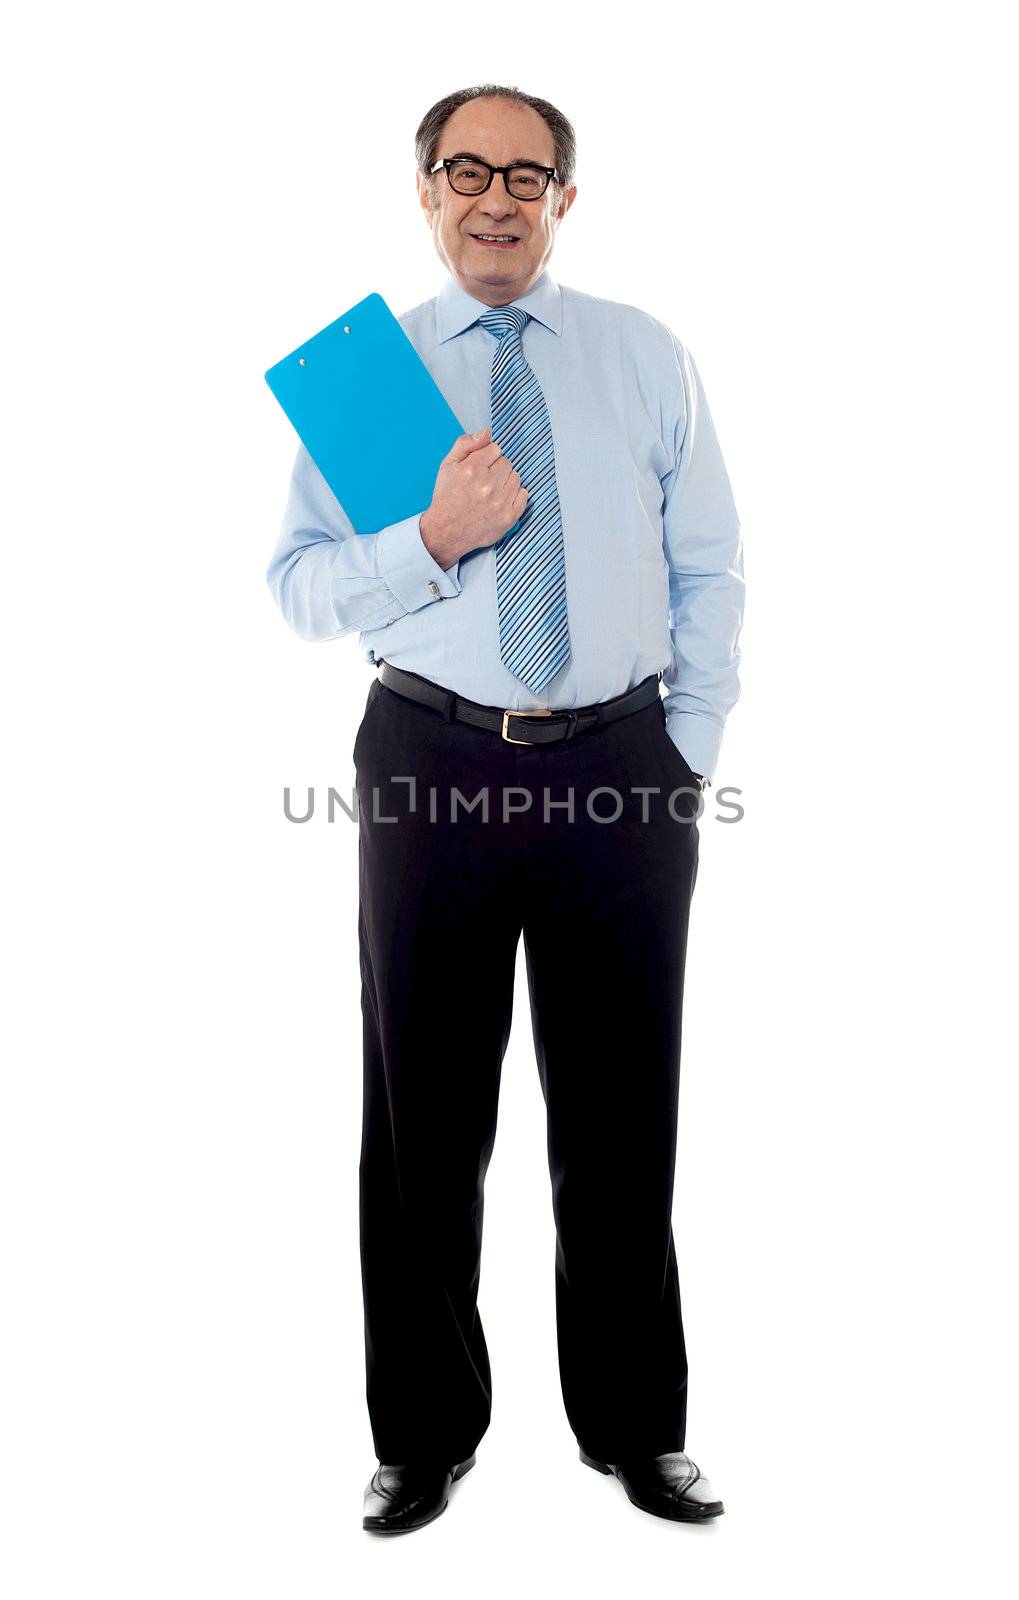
pixel 472 155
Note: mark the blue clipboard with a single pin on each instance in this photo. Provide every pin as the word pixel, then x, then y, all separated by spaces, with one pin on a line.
pixel 369 413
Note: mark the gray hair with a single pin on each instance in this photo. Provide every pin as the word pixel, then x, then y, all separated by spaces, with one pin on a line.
pixel 430 128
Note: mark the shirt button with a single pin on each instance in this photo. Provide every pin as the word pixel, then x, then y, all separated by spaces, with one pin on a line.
pixel 390 621
pixel 433 588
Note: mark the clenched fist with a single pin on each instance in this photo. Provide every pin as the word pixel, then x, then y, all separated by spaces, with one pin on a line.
pixel 477 497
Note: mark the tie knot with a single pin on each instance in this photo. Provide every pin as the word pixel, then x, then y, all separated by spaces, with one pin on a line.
pixel 503 320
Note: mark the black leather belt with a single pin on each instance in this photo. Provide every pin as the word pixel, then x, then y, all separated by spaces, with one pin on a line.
pixel 519 727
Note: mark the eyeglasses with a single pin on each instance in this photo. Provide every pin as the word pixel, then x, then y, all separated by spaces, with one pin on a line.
pixel 523 180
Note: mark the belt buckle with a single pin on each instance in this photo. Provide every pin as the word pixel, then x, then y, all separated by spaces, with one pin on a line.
pixel 505 723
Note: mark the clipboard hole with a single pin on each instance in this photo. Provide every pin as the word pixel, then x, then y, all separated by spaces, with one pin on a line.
pixel 346 330
pixel 301 360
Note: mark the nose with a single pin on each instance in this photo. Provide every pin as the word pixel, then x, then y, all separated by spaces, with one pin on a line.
pixel 497 200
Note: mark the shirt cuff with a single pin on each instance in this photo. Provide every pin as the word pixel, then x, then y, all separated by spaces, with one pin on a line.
pixel 410 569
pixel 697 739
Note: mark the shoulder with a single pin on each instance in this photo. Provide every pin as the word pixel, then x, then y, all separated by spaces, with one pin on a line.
pixel 649 335
pixel 418 316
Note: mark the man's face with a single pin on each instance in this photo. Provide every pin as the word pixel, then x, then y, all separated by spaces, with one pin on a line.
pixel 499 132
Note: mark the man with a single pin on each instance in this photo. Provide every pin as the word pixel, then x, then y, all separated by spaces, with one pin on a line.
pixel 581 545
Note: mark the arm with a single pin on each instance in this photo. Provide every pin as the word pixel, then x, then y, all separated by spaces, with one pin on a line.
pixel 703 548
pixel 329 580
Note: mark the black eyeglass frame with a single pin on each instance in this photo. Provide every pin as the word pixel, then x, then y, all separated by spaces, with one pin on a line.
pixel 532 166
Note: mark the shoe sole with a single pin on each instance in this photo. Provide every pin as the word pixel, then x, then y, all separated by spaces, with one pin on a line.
pixel 412 1527
pixel 687 1514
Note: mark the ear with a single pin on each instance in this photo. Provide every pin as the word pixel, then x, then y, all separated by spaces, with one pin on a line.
pixel 425 194
pixel 567 199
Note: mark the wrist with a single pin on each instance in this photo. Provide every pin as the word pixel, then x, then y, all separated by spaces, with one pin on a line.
pixel 438 541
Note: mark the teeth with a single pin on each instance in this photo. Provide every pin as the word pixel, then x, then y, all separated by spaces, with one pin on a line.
pixel 497 238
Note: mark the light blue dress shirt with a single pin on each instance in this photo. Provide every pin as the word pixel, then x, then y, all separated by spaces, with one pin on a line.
pixel 651 536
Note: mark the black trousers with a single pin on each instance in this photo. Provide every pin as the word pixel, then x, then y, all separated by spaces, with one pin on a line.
pixel 602 901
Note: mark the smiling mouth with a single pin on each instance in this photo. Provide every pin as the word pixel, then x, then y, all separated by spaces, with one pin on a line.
pixel 496 241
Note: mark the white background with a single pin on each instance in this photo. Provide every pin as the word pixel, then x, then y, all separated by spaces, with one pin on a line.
pixel 818 201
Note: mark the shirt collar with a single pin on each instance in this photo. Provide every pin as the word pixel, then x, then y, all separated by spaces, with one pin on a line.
pixel 456 309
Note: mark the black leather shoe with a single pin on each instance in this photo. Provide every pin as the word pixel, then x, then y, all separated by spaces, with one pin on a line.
pixel 400 1498
pixel 667 1486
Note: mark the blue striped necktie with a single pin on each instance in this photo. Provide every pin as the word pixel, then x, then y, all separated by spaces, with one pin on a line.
pixel 530 569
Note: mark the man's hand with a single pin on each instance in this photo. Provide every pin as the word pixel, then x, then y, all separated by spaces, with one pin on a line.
pixel 477 497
